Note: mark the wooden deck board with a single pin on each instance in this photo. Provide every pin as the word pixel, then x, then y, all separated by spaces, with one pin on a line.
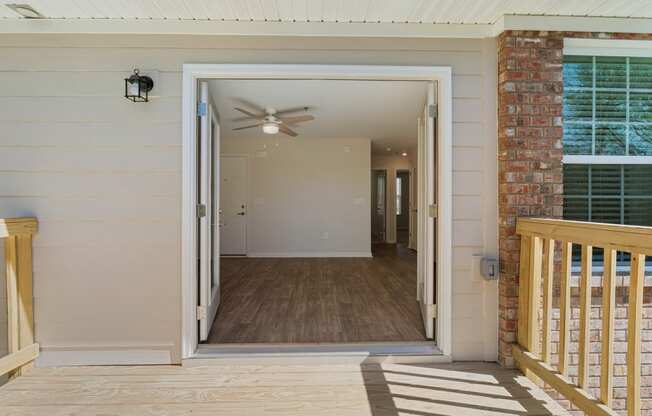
pixel 339 390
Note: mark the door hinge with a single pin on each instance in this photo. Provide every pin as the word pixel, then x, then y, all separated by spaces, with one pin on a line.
pixel 201 109
pixel 201 313
pixel 432 311
pixel 432 211
pixel 432 110
pixel 201 210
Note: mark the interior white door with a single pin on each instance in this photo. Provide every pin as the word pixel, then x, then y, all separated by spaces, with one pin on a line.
pixel 427 213
pixel 207 211
pixel 379 205
pixel 233 193
pixel 413 211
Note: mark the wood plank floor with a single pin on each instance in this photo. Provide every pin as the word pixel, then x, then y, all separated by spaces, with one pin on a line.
pixel 335 390
pixel 309 300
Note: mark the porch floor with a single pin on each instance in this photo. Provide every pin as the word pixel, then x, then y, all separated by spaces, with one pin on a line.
pixel 334 390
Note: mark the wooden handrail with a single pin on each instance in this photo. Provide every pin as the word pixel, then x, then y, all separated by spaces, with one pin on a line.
pixel 538 240
pixel 18 233
pixel 18 226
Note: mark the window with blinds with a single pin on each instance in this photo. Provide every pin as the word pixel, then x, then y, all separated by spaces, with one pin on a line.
pixel 607 113
pixel 618 194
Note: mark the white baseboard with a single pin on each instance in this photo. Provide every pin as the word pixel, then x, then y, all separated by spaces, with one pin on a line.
pixel 105 355
pixel 311 254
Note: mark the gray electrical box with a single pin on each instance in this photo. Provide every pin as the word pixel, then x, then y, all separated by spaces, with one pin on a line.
pixel 489 268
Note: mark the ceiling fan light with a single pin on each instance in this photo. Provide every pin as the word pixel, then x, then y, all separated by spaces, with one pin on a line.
pixel 270 128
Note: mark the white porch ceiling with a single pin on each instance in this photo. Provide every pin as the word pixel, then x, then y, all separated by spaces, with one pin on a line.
pixel 376 11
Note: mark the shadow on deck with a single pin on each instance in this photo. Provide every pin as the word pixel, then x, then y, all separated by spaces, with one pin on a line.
pixel 329 390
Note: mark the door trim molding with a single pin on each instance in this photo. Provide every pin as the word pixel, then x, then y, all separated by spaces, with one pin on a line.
pixel 193 72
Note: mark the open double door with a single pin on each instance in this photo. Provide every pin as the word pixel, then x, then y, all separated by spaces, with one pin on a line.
pixel 208 212
pixel 427 211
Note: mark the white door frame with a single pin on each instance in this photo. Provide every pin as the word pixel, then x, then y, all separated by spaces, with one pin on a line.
pixel 193 72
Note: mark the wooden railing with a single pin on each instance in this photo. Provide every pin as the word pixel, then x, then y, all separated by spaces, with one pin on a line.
pixel 539 240
pixel 17 234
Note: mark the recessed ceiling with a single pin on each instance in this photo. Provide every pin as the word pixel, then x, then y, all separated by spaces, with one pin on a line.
pixel 386 11
pixel 386 112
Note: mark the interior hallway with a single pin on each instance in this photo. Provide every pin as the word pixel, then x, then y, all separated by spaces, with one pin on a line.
pixel 310 300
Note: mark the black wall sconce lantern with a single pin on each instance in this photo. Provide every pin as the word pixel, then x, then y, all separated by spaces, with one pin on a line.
pixel 137 87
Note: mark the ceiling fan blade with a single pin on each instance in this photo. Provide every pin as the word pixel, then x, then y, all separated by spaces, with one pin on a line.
pixel 285 129
pixel 291 110
pixel 249 127
pixel 250 114
pixel 250 105
pixel 298 119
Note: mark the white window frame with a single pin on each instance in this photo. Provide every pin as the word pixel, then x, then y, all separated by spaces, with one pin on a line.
pixel 608 47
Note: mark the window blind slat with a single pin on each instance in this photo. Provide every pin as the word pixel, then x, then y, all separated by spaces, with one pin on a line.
pixel 638 180
pixel 610 140
pixel 610 72
pixel 578 106
pixel 640 107
pixel 640 73
pixel 578 71
pixel 605 180
pixel 640 140
pixel 610 106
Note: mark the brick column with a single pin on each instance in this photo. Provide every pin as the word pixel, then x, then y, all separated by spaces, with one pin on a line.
pixel 529 153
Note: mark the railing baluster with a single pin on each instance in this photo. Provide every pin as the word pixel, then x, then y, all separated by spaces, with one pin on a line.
pixel 564 305
pixel 634 317
pixel 534 297
pixel 608 315
pixel 524 291
pixel 25 294
pixel 585 315
pixel 11 260
pixel 549 269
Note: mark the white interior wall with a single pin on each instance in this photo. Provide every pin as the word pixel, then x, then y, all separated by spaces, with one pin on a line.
pixel 103 177
pixel 391 163
pixel 307 196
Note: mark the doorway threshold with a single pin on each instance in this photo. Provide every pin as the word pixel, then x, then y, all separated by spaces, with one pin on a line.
pixel 318 353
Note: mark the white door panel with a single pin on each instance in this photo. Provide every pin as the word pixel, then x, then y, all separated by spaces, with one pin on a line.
pixel 233 194
pixel 425 215
pixel 209 204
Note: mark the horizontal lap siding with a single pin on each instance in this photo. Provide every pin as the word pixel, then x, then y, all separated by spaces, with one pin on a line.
pixel 103 175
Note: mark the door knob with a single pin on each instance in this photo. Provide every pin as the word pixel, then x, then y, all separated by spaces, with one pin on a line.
pixel 240 213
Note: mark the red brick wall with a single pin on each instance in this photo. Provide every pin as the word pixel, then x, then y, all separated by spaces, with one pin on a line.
pixel 529 153
pixel 530 89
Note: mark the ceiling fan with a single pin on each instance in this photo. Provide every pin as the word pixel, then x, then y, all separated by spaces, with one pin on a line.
pixel 274 121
